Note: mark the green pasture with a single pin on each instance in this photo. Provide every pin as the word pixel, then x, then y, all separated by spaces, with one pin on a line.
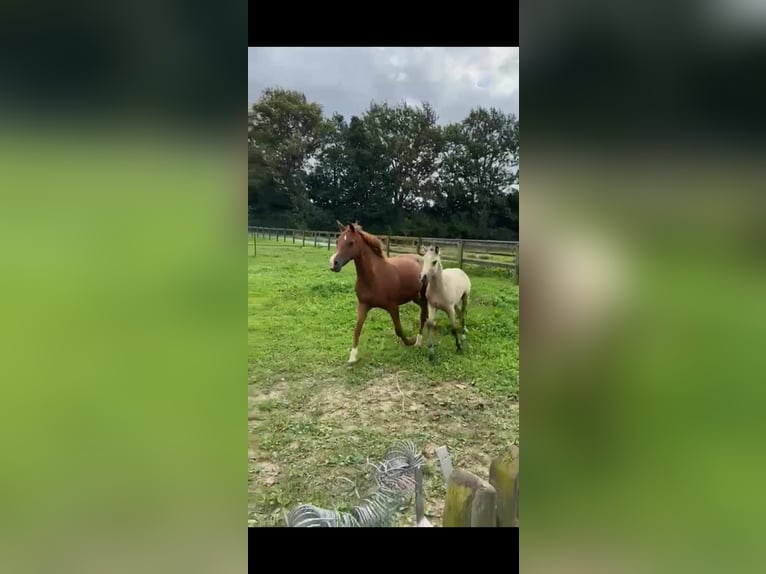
pixel 313 421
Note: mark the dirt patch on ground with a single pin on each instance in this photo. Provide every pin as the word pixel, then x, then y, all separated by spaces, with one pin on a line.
pixel 309 441
pixel 267 472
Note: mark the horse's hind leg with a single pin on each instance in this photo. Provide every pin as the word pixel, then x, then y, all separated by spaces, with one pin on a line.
pixel 453 319
pixel 463 310
pixel 394 312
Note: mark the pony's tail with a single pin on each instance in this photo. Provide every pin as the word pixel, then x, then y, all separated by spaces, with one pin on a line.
pixel 466 297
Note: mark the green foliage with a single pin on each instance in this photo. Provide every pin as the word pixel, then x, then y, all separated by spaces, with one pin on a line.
pixel 284 132
pixel 394 168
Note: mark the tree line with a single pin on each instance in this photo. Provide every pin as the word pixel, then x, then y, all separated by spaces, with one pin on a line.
pixel 394 169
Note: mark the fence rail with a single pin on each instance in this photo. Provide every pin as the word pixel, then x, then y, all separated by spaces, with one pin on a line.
pixel 481 252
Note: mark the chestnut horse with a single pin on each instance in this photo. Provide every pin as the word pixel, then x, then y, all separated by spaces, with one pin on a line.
pixel 382 282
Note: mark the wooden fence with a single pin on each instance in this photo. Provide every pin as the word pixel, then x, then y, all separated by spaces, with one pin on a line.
pixel 474 501
pixel 481 252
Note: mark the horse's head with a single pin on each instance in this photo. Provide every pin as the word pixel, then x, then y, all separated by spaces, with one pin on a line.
pixel 431 263
pixel 347 247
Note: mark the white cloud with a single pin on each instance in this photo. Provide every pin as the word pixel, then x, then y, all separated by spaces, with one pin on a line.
pixel 346 80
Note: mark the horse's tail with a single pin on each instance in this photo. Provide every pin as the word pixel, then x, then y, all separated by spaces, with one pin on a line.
pixel 465 298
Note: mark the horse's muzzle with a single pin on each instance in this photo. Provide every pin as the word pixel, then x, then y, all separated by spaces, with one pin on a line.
pixel 335 265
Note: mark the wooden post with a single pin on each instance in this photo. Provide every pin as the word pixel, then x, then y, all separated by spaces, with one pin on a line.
pixel 470 501
pixel 255 246
pixel 328 241
pixel 460 253
pixel 303 234
pixel 504 476
pixel 445 462
pixel 315 239
pixel 419 510
pixel 516 265
pixel 293 234
pixel 420 244
pixel 388 246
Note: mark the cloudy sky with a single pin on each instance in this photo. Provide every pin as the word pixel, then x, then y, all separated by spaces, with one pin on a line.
pixel 346 80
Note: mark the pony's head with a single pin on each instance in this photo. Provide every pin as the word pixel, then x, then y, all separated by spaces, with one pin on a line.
pixel 347 247
pixel 431 263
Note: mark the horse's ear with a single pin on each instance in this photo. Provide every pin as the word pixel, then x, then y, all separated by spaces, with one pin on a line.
pixel 351 227
pixel 436 249
pixel 340 225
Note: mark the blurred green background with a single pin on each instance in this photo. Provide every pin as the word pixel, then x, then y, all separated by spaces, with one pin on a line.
pixel 124 348
pixel 124 306
pixel 643 290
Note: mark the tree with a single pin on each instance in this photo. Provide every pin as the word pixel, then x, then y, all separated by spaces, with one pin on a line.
pixel 284 132
pixel 479 166
pixel 408 140
pixel 393 168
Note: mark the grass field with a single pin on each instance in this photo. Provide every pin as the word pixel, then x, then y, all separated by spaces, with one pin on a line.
pixel 314 422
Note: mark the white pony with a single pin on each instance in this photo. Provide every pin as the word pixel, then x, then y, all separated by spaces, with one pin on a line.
pixel 446 287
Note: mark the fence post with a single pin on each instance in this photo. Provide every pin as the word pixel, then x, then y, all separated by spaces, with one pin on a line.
pixel 419 509
pixel 388 246
pixel 460 253
pixel 303 235
pixel 516 265
pixel 504 476
pixel 420 244
pixel 470 501
pixel 293 233
pixel 328 241
pixel 255 247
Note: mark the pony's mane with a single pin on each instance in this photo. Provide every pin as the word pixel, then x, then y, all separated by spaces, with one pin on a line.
pixel 373 242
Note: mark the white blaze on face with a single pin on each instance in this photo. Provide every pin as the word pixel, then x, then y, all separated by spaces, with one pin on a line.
pixel 332 260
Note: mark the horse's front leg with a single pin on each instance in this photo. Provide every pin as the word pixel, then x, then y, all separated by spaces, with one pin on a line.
pixel 423 317
pixel 431 322
pixel 361 316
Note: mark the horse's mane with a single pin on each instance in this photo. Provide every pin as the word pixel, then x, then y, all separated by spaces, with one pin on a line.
pixel 373 242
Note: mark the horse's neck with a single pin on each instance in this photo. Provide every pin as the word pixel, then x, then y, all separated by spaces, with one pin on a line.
pixel 365 265
pixel 437 278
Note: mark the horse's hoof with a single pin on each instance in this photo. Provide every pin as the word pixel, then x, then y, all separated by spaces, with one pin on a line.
pixel 351 364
